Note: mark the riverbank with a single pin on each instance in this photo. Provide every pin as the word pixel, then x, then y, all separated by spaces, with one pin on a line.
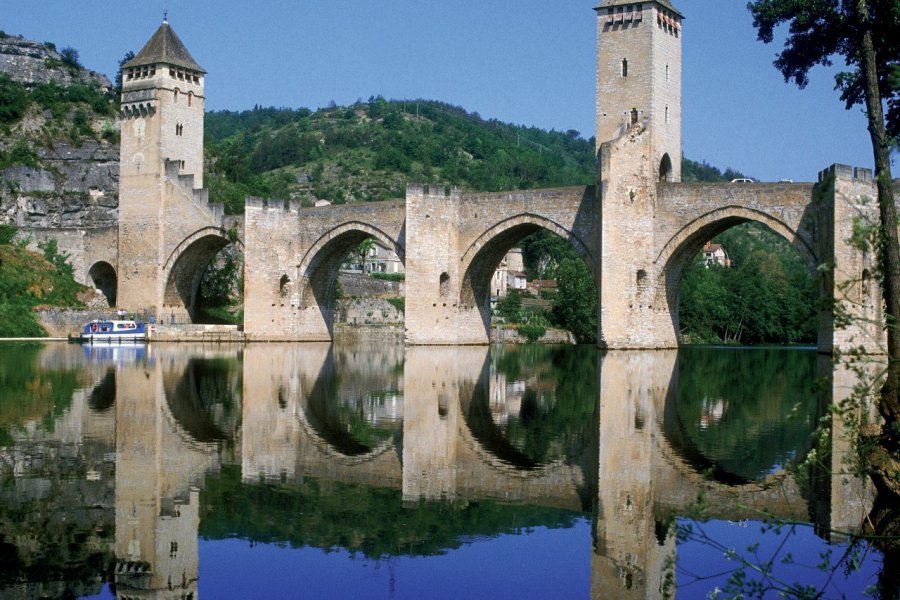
pixel 61 324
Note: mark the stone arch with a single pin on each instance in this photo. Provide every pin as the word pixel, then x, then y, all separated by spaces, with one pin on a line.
pixel 103 277
pixel 319 265
pixel 680 249
pixel 484 254
pixel 665 164
pixel 185 266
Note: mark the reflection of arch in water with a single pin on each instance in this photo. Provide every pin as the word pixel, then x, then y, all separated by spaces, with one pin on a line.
pixel 191 399
pixel 769 443
pixel 103 396
pixel 321 424
pixel 488 441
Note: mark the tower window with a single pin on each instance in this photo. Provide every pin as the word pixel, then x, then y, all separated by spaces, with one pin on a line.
pixel 667 72
pixel 667 114
pixel 191 97
pixel 624 67
pixel 176 96
pixel 179 129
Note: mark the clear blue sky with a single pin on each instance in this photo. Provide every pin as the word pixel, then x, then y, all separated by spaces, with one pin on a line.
pixel 528 62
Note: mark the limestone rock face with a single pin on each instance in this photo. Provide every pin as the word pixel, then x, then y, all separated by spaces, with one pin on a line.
pixel 68 186
pixel 32 63
pixel 75 187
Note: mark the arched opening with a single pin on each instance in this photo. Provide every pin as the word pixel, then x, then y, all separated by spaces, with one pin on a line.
pixel 220 294
pixel 665 165
pixel 356 277
pixel 205 280
pixel 103 277
pixel 736 281
pixel 528 279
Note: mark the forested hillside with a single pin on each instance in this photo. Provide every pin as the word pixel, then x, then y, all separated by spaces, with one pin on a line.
pixel 368 151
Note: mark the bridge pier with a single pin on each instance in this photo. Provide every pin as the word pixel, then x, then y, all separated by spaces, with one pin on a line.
pixel 434 312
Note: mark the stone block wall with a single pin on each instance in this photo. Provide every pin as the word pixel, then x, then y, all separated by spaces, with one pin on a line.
pixel 852 196
pixel 271 300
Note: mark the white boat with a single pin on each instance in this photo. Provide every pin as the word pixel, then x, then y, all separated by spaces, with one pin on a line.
pixel 114 331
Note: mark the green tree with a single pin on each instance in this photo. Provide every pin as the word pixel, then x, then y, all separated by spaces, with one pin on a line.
pixel 69 57
pixel 575 305
pixel 128 56
pixel 510 307
pixel 854 29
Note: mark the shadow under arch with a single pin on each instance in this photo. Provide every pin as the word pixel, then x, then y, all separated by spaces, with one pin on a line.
pixel 481 258
pixel 103 277
pixel 186 264
pixel 318 267
pixel 681 248
pixel 665 168
pixel 204 399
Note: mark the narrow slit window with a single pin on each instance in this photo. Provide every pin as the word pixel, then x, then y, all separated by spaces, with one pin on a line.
pixel 624 67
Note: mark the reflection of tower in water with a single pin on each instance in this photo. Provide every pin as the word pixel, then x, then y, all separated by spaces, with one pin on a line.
pixel 633 551
pixel 159 465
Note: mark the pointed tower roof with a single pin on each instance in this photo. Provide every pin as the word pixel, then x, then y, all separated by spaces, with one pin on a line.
pixel 611 3
pixel 164 47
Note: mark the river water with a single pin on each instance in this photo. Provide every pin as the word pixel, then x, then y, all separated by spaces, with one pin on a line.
pixel 322 471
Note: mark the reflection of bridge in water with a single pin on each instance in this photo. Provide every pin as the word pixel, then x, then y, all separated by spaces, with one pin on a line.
pixel 298 415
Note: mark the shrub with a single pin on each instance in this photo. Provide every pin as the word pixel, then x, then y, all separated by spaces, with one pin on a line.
pixel 388 276
pixel 398 303
pixel 13 100
pixel 7 233
pixel 69 57
pixel 532 331
pixel 19 154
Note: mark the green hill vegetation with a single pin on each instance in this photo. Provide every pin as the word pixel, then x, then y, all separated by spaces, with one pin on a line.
pixel 29 279
pixel 368 151
pixel 39 116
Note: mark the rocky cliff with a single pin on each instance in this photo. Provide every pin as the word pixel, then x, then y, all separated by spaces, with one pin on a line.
pixel 59 153
pixel 32 63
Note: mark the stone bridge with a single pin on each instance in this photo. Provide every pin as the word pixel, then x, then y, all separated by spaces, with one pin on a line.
pixel 637 235
pixel 636 229
pixel 450 243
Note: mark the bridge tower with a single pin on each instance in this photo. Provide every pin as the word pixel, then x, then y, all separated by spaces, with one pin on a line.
pixel 161 141
pixel 638 150
pixel 639 76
